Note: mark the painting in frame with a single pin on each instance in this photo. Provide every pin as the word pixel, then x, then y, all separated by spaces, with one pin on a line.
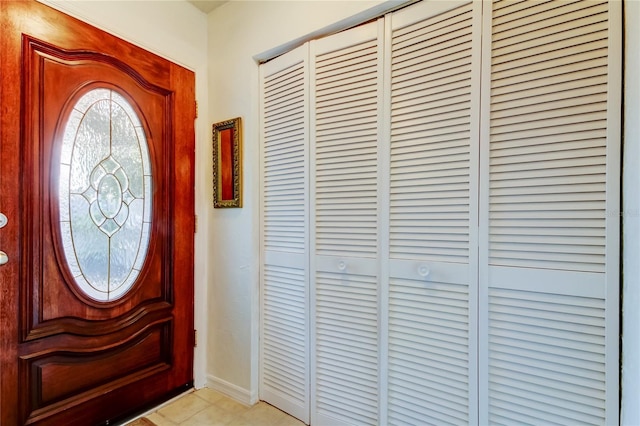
pixel 227 163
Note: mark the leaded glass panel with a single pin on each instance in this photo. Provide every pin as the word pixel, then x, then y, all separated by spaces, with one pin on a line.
pixel 104 194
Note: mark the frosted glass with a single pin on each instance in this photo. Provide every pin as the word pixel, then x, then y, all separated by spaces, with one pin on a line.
pixel 125 245
pixel 147 196
pixel 127 109
pixel 89 244
pixel 63 194
pixel 69 136
pixel 122 216
pixel 128 155
pixel 104 195
pixel 145 237
pixel 72 262
pixel 110 196
pixel 146 166
pixel 91 144
pixel 91 98
pixel 88 289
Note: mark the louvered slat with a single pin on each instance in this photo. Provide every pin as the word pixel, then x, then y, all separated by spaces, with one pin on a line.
pixel 431 132
pixel 284 331
pixel 547 358
pixel 544 134
pixel 346 90
pixel 347 347
pixel 431 127
pixel 346 151
pixel 284 173
pixel 428 353
pixel 284 350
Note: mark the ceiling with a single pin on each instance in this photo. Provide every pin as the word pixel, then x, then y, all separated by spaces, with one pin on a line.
pixel 206 5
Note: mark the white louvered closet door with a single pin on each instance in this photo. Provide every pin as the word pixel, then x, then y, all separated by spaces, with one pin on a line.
pixel 550 201
pixel 434 110
pixel 284 337
pixel 345 103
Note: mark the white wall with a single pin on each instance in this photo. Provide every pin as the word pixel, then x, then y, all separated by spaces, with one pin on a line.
pixel 630 415
pixel 177 31
pixel 239 30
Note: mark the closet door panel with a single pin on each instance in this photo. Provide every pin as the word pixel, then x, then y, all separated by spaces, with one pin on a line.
pixel 550 311
pixel 345 101
pixel 432 213
pixel 284 343
pixel 346 348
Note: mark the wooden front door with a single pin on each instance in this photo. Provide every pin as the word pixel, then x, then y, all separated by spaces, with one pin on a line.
pixel 96 183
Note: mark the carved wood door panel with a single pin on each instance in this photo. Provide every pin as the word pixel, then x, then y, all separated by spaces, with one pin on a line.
pixel 97 185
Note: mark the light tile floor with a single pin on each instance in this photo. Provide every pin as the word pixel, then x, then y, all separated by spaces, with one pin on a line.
pixel 206 407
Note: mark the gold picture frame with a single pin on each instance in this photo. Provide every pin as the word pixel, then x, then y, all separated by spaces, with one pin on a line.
pixel 227 163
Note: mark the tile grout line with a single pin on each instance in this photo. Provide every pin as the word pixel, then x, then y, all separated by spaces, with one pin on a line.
pixel 161 405
pixel 222 410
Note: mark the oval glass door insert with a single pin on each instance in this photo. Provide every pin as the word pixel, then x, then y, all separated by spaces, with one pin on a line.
pixel 104 195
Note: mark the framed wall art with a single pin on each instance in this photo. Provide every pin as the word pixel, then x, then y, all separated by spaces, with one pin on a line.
pixel 227 163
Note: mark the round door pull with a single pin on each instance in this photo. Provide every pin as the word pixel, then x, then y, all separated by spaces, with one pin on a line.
pixel 3 258
pixel 423 271
pixel 3 220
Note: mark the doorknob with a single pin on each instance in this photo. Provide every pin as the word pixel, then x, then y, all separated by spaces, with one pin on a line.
pixel 3 220
pixel 423 271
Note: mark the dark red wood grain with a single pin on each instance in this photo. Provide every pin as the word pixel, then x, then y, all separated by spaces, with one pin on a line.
pixel 64 358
